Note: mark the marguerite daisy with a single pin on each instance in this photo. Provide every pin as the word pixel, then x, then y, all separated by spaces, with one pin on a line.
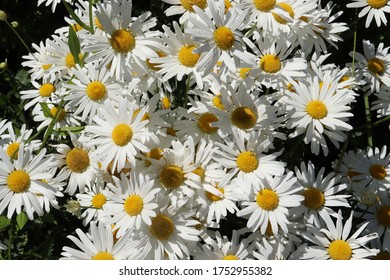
pixel 373 9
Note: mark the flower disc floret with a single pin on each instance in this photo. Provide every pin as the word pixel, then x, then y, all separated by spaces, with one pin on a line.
pixel 172 176
pixel 122 134
pixel 162 227
pixel 12 150
pixel 77 160
pixel 376 66
pixel 18 181
pixel 46 90
pixel 213 197
pixel 288 9
pixel 99 200
pixel 230 258
pixel 314 198
pixel 244 118
pixel 103 256
pixel 383 215
pixel 61 113
pixel 204 123
pixel 96 90
pixel 122 41
pixel 224 38
pixel 377 4
pixel 316 109
pixel 267 199
pixel 188 4
pixel 247 162
pixel 340 250
pixel 270 63
pixel 264 5
pixel 187 57
pixel 378 171
pixel 134 205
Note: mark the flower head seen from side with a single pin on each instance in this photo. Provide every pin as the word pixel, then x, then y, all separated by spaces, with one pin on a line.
pixel 269 204
pixel 21 181
pixel 99 244
pixel 373 9
pixel 317 111
pixel 335 242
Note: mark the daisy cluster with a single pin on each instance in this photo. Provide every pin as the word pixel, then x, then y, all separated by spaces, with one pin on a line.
pixel 169 139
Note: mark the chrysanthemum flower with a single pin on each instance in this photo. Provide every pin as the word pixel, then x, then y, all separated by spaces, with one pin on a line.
pixel 373 9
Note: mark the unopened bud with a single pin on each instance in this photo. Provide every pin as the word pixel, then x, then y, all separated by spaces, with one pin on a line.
pixel 15 24
pixel 3 16
pixel 3 65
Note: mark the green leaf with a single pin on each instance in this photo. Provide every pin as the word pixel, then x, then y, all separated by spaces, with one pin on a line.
pixel 74 44
pixel 74 129
pixel 4 222
pixel 22 77
pixel 76 18
pixel 21 219
pixel 46 110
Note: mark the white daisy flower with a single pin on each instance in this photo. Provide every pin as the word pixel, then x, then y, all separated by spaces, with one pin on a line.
pixel 184 8
pixel 169 233
pixel 270 202
pixel 373 67
pixel 317 111
pixel 77 164
pixel 53 3
pixel 131 202
pixel 89 89
pixel 246 159
pixel 126 38
pixel 117 135
pixel 335 242
pixel 218 34
pixel 278 248
pixel 373 9
pixel 92 202
pixel 21 181
pixel 100 244
pixel 320 194
pixel 382 105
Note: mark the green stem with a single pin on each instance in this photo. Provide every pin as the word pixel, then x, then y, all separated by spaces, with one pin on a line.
pixel 354 44
pixel 91 16
pixel 368 121
pixel 19 37
pixel 76 18
pixel 386 119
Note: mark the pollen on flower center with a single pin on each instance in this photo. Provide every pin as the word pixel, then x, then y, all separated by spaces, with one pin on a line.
pixel 267 199
pixel 99 200
pixel 224 38
pixel 12 150
pixel 122 41
pixel 244 72
pixel 339 250
pixel 18 181
pixel 145 117
pixel 96 90
pixel 200 172
pixel 187 4
pixel 214 197
pixel 61 113
pixel 316 109
pixel 244 118
pixel 270 63
pixel 230 258
pixel 288 9
pixel 172 176
pixel 103 256
pixel 383 215
pixel 377 4
pixel 155 153
pixel 376 66
pixel 46 90
pixel 217 102
pixel 122 134
pixel 162 227
pixel 187 57
pixel 247 162
pixel 204 123
pixel 133 205
pixel 228 5
pixel 314 198
pixel 264 5
pixel 378 171
pixel 77 160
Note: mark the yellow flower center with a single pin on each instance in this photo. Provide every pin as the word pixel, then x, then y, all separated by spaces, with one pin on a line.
pixel 145 117
pixel 244 72
pixel 378 171
pixel 270 63
pixel 134 205
pixel 244 118
pixel 187 57
pixel 46 90
pixel 171 176
pixel 155 66
pixel 166 103
pixel 61 113
pixel 264 5
pixel 316 109
pixel 187 4
pixel 155 153
pixel 288 9
pixel 383 215
pixel 314 198
pixel 46 66
pixel 12 150
pixel 171 131
pixel 376 66
pixel 98 24
pixel 200 172
pixel 224 38
pixel 217 102
pixel 204 123
pixel 351 174
pixel 103 256
pixel 339 250
pixel 77 160
pixel 214 197
pixel 98 201
pixel 247 162
pixel 69 60
pixel 230 258
pixel 267 199
pixel 18 181
pixel 122 41
pixel 122 134
pixel 162 227
pixel 228 5
pixel 377 4
pixel 96 90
